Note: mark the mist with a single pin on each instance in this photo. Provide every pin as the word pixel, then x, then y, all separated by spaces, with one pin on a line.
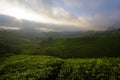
pixel 64 15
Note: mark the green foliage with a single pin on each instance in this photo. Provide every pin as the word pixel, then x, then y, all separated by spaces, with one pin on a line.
pixel 24 67
pixel 30 67
pixel 90 69
pixel 88 46
pixel 93 46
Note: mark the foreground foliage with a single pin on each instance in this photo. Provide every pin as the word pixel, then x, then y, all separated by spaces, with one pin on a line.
pixel 91 69
pixel 30 67
pixel 24 67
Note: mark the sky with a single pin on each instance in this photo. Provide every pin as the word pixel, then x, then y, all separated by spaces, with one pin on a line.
pixel 59 15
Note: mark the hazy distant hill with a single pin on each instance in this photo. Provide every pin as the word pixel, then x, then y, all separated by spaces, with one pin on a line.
pixel 31 32
pixel 62 44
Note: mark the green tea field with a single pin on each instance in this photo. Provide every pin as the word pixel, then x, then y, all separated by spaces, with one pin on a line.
pixel 27 67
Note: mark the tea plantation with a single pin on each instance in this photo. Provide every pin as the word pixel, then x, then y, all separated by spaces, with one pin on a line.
pixel 30 67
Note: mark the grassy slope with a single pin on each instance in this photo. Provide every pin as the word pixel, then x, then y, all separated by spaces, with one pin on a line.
pixel 26 67
pixel 85 47
pixel 89 46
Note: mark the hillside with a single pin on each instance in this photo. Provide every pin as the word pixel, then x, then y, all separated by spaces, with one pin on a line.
pixel 101 44
pixel 26 67
pixel 59 39
pixel 31 57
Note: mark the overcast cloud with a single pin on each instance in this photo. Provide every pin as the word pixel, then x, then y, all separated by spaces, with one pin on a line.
pixel 60 15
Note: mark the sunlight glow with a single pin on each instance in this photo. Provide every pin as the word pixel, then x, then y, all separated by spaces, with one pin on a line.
pixel 44 29
pixel 28 15
pixel 11 28
pixel 19 14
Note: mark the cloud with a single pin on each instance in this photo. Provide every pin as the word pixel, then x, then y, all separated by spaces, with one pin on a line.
pixel 62 15
pixel 11 22
pixel 105 21
pixel 92 4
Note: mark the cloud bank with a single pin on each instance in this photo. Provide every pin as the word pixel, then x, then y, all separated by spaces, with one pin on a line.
pixel 61 15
